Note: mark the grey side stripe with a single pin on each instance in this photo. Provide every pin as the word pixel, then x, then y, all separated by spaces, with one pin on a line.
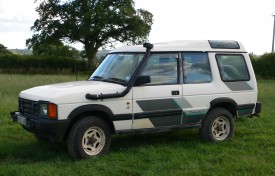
pixel 186 104
pixel 158 104
pixel 237 86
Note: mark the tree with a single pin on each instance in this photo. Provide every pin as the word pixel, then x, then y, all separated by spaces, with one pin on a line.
pixel 60 49
pixel 94 23
pixel 3 50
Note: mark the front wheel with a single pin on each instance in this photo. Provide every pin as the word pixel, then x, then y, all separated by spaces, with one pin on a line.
pixel 218 125
pixel 89 137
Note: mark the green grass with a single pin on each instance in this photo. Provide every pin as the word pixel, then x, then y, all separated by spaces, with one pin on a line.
pixel 251 152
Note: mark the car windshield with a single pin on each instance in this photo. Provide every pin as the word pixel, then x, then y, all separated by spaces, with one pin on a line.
pixel 117 68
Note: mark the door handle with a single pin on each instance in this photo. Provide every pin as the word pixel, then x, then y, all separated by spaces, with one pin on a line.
pixel 175 92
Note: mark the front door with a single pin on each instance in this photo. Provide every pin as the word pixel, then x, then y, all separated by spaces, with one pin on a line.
pixel 158 103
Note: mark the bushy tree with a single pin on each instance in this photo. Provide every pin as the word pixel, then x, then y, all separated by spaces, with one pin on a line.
pixel 94 23
pixel 264 66
pixel 60 49
pixel 3 50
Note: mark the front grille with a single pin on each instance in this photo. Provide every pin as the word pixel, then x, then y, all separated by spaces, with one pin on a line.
pixel 28 106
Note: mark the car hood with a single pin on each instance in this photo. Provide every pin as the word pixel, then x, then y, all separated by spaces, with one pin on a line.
pixel 70 92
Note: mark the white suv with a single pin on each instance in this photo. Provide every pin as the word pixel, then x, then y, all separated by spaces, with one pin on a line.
pixel 149 88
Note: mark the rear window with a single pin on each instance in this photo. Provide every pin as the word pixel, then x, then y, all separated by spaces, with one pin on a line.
pixel 232 67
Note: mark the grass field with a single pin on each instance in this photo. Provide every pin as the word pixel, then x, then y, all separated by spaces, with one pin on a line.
pixel 251 152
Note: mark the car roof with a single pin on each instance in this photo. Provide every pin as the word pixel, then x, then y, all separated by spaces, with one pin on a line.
pixel 188 45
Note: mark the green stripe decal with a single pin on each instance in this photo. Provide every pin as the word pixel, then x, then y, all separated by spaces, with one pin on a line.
pixel 166 121
pixel 245 109
pixel 194 116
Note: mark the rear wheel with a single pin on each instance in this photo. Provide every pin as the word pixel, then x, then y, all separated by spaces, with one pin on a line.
pixel 89 137
pixel 218 125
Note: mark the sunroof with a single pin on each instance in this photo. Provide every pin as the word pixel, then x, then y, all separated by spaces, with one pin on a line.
pixel 224 44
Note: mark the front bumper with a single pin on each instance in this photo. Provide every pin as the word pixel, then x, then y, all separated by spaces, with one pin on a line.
pixel 52 130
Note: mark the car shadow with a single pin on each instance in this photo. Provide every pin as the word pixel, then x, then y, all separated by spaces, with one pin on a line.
pixel 33 151
pixel 181 137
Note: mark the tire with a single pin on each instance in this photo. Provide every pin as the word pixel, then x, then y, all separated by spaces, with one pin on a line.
pixel 218 125
pixel 89 137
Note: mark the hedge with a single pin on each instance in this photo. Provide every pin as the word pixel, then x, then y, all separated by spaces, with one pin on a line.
pixel 264 66
pixel 36 64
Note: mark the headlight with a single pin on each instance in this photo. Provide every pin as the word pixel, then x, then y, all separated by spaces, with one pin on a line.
pixel 43 109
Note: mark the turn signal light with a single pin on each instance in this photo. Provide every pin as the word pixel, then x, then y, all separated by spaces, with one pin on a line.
pixel 52 111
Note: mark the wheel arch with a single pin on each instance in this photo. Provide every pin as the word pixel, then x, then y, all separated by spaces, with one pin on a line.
pixel 91 110
pixel 226 103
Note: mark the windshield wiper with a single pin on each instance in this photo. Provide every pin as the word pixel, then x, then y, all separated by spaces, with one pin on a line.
pixel 97 78
pixel 115 80
pixel 112 80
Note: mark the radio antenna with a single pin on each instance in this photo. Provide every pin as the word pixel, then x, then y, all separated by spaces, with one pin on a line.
pixel 75 71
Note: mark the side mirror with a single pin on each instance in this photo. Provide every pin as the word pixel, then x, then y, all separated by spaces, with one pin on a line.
pixel 142 80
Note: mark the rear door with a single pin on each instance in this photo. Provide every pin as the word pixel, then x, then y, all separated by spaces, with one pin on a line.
pixel 159 103
pixel 198 86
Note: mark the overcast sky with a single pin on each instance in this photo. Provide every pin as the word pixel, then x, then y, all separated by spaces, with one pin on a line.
pixel 248 21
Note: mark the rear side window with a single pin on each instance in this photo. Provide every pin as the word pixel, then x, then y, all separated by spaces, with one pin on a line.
pixel 232 67
pixel 196 68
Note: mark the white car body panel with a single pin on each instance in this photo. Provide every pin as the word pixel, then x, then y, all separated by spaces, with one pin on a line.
pixel 192 98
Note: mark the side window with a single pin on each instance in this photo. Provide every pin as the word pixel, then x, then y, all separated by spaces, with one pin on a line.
pixel 232 67
pixel 196 68
pixel 162 69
